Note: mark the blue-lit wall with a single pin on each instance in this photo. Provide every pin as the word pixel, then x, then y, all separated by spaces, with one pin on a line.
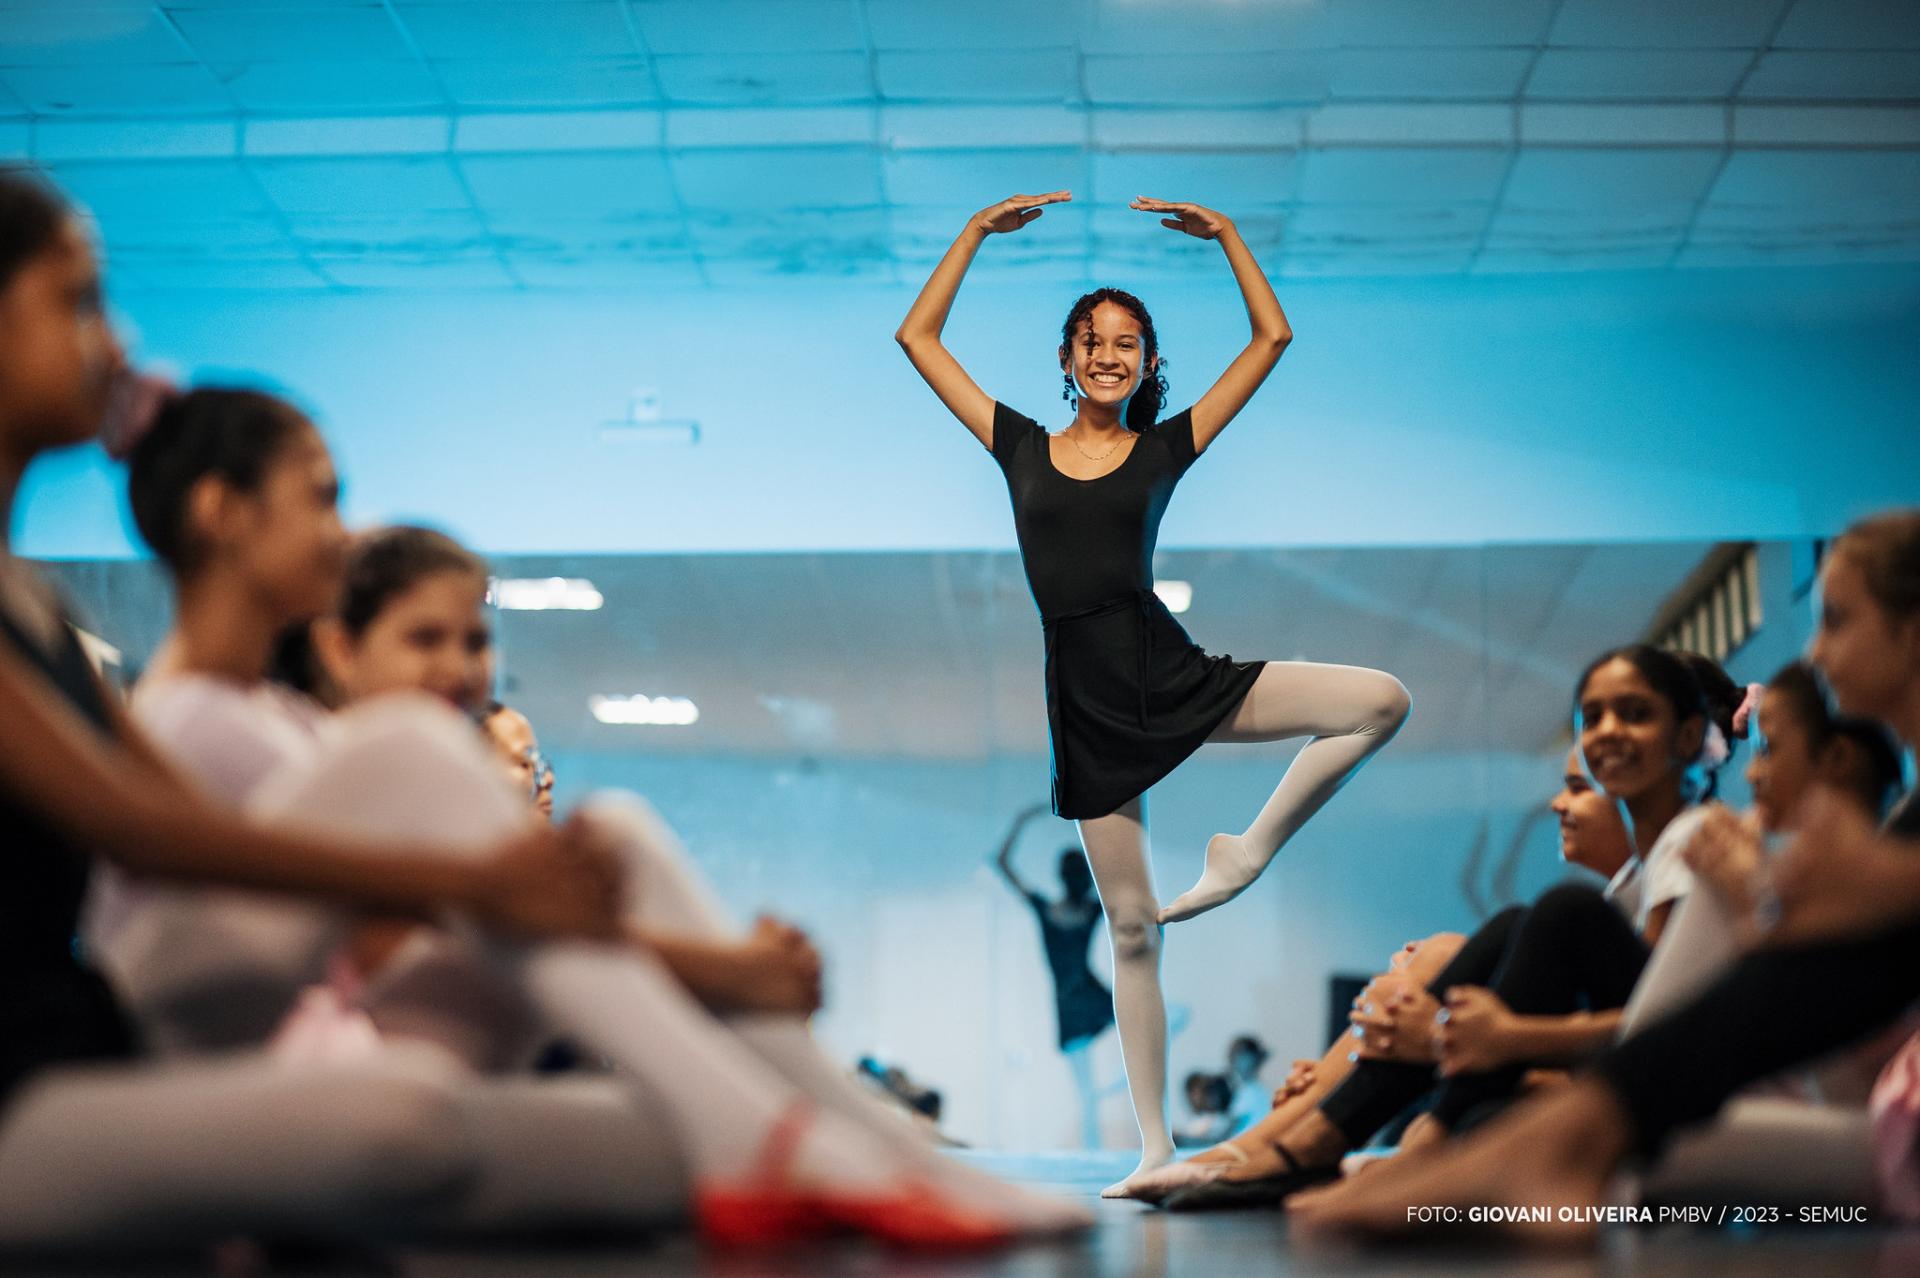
pixel 934 964
pixel 1444 410
pixel 1439 411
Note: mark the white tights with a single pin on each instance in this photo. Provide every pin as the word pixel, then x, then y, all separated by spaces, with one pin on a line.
pixel 1350 713
pixel 138 1157
pixel 400 773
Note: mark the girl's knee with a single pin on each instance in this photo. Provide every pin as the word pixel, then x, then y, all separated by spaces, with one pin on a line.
pixel 1135 930
pixel 390 1141
pixel 1565 904
pixel 1392 703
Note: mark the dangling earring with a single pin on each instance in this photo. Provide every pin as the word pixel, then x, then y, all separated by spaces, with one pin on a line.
pixel 1067 394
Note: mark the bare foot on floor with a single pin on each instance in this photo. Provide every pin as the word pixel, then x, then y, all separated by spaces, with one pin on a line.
pixel 1533 1175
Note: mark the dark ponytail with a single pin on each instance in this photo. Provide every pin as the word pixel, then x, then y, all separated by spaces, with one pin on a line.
pixel 1144 409
pixel 232 435
pixel 31 214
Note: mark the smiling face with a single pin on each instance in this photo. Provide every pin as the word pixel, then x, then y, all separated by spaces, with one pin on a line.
pixel 1591 831
pixel 1783 764
pixel 431 637
pixel 284 540
pixel 62 354
pixel 1107 355
pixel 1869 658
pixel 1629 735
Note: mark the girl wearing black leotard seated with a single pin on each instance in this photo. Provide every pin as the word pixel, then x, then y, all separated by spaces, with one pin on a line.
pixel 1129 694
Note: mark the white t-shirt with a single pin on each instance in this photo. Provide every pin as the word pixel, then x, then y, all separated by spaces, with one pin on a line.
pixel 1623 889
pixel 1665 877
pixel 228 738
pixel 185 957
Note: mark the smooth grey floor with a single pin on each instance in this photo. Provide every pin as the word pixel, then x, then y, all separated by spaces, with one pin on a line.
pixel 1131 1241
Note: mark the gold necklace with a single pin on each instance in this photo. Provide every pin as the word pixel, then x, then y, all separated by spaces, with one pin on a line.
pixel 1126 435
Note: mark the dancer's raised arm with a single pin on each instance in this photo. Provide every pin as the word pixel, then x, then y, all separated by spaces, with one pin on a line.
pixel 1003 860
pixel 919 332
pixel 1271 332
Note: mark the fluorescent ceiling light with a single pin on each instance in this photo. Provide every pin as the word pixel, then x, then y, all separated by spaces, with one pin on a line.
pixel 685 433
pixel 1176 595
pixel 641 710
pixel 646 423
pixel 544 594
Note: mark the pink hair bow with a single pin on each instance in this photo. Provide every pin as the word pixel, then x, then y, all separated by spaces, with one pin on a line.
pixel 1748 704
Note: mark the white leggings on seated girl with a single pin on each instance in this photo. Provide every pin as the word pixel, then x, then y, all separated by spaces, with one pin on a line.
pixel 143 1156
pixel 399 774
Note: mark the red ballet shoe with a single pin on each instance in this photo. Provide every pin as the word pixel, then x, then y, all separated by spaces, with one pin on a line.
pixel 918 1217
pixel 763 1209
pixel 756 1218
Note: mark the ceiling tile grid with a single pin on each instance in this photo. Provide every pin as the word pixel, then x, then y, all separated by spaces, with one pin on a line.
pixel 1359 136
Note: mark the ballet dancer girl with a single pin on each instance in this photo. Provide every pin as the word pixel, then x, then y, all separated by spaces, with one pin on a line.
pixel 1129 694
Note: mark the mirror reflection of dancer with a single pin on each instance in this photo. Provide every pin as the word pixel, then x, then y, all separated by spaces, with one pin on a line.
pixel 1082 1006
pixel 1129 694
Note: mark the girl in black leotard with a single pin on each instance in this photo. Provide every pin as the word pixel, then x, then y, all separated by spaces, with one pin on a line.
pixel 1129 695
pixel 1082 1006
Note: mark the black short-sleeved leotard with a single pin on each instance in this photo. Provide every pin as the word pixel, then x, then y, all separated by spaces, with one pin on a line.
pixel 54 1008
pixel 1129 694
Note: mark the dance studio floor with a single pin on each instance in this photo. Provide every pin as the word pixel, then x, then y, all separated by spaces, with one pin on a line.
pixel 1135 1242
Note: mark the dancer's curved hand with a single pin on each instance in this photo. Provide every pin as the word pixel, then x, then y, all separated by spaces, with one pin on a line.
pixel 552 881
pixel 1840 878
pixel 1298 1080
pixel 1202 223
pixel 1474 1033
pixel 1016 211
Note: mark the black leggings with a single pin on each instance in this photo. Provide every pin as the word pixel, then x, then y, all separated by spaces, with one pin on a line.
pixel 1774 1009
pixel 1376 1091
pixel 1572 951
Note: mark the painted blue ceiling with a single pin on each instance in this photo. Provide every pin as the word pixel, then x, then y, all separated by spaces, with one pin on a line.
pixel 343 144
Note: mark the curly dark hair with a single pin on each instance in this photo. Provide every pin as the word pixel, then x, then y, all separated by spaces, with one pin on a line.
pixel 1143 410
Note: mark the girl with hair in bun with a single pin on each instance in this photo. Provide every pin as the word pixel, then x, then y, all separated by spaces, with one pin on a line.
pixel 1129 694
